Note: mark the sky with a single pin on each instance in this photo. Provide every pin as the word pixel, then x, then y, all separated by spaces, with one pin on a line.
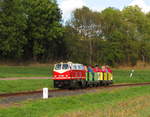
pixel 67 6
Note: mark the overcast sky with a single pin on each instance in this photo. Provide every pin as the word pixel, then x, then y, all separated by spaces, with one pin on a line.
pixel 67 6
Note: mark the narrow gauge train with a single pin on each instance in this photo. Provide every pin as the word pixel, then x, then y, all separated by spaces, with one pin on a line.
pixel 73 75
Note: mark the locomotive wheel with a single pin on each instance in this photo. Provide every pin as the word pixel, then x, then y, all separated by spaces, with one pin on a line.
pixel 91 85
pixel 83 84
pixel 99 83
pixel 104 83
pixel 95 84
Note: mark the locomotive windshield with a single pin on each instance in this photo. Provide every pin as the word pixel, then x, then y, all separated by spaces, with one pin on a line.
pixel 65 66
pixel 62 66
pixel 58 67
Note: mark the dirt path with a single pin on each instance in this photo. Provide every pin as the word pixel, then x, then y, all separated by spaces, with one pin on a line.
pixel 25 78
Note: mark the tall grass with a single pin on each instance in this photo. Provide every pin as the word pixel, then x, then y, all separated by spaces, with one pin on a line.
pixel 134 107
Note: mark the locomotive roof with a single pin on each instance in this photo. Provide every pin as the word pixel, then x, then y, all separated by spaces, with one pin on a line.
pixel 69 63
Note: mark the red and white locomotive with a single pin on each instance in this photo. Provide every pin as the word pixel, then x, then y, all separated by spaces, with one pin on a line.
pixel 67 75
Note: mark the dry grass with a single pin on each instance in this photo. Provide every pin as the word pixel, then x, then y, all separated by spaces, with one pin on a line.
pixel 4 106
pixel 130 108
pixel 140 65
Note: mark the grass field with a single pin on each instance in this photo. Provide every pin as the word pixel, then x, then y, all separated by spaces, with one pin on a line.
pixel 123 76
pixel 123 102
pixel 24 85
pixel 25 71
pixel 120 76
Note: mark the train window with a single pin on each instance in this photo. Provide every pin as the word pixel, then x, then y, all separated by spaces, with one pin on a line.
pixel 58 67
pixel 80 67
pixel 77 67
pixel 65 66
pixel 74 67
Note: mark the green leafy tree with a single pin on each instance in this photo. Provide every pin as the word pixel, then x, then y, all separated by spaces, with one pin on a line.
pixel 77 48
pixel 136 24
pixel 44 30
pixel 111 23
pixel 12 29
pixel 87 23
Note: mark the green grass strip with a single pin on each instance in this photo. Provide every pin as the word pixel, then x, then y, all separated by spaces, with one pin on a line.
pixel 58 106
pixel 25 71
pixel 11 86
pixel 123 76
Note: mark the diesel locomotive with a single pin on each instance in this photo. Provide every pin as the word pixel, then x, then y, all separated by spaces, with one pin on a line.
pixel 73 75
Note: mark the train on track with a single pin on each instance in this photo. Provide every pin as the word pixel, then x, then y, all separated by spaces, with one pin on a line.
pixel 73 75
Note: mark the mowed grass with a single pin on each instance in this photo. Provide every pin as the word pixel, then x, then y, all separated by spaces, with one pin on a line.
pixel 8 86
pixel 12 86
pixel 124 102
pixel 120 76
pixel 25 71
pixel 123 76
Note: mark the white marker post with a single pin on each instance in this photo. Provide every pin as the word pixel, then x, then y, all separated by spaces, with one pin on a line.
pixel 45 93
pixel 131 74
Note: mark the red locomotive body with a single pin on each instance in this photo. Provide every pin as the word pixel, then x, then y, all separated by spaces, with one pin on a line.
pixel 67 75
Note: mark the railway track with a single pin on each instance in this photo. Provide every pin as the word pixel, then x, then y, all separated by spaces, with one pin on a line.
pixel 28 93
pixel 11 98
pixel 65 90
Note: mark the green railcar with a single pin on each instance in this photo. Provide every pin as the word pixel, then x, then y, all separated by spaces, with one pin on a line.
pixel 90 76
pixel 103 78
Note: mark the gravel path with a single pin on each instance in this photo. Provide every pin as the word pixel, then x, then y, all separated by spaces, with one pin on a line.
pixel 25 78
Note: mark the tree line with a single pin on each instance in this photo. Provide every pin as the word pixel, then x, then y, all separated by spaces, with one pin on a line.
pixel 32 30
pixel 111 36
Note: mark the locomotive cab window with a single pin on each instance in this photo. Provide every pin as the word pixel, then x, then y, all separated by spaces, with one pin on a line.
pixel 61 66
pixel 65 66
pixel 57 67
